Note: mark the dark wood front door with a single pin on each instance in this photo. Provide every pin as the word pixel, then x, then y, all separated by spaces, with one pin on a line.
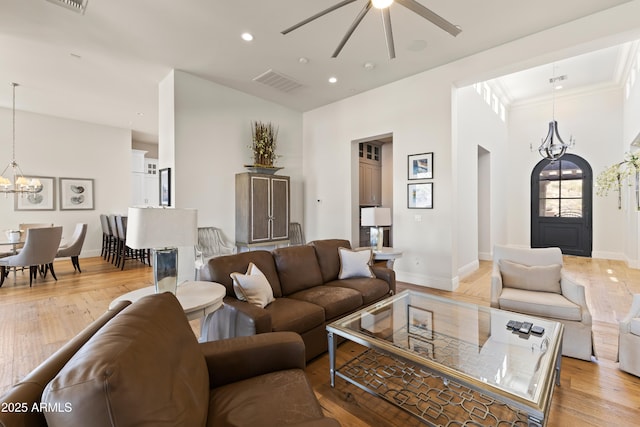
pixel 561 211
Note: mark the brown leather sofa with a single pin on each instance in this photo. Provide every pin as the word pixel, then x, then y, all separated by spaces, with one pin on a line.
pixel 140 364
pixel 308 294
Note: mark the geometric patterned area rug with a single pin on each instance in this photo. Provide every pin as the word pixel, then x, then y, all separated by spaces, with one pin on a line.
pixel 427 396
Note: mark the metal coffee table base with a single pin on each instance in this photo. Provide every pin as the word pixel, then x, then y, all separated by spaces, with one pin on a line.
pixel 433 398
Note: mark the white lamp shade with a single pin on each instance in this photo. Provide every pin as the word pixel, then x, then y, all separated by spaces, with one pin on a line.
pixel 375 217
pixel 161 227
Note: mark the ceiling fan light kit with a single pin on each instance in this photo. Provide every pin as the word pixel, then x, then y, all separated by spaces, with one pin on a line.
pixel 381 4
pixel 384 7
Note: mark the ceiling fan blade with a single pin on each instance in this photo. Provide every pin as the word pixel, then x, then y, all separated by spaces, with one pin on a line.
pixel 388 33
pixel 427 14
pixel 352 28
pixel 317 15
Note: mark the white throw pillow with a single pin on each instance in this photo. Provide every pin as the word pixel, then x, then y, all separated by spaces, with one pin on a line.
pixel 541 278
pixel 355 263
pixel 250 270
pixel 252 287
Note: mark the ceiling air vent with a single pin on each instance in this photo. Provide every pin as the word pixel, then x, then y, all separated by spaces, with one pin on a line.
pixel 277 81
pixel 75 5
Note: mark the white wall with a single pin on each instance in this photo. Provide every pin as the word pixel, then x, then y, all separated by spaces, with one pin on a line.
pixel 211 135
pixel 631 130
pixel 55 147
pixel 479 126
pixel 595 121
pixel 418 111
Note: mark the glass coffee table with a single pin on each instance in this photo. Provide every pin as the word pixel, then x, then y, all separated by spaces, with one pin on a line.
pixel 446 361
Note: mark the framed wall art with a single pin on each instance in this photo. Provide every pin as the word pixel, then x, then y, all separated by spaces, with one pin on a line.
pixel 424 348
pixel 420 322
pixel 420 195
pixel 420 166
pixel 76 194
pixel 165 187
pixel 44 199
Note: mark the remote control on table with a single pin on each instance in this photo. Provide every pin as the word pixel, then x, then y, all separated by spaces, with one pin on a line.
pixel 537 330
pixel 525 328
pixel 516 325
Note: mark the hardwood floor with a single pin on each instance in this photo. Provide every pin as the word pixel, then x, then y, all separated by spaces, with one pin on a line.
pixel 35 321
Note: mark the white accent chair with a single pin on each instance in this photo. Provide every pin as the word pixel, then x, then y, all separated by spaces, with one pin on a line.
pixel 533 282
pixel 211 244
pixel 296 235
pixel 629 339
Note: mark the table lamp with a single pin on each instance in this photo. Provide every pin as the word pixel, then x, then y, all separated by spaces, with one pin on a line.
pixel 162 230
pixel 376 218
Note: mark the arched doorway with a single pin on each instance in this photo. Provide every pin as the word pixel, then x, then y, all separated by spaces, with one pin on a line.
pixel 561 210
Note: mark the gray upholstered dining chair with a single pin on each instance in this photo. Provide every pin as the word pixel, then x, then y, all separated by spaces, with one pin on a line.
pixel 73 248
pixel 40 248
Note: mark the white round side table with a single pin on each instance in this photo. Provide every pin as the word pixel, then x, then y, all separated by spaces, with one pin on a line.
pixel 198 300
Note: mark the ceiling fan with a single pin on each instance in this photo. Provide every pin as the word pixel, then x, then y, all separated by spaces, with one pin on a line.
pixel 383 5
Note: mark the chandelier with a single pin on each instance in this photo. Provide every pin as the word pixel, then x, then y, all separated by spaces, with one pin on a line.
pixel 12 179
pixel 553 147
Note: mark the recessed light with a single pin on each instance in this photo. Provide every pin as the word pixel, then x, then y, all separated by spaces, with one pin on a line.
pixel 558 87
pixel 303 60
pixel 333 80
pixel 369 66
pixel 247 37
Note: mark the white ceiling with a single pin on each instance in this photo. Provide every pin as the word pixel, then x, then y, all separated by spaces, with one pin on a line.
pixel 104 66
pixel 592 71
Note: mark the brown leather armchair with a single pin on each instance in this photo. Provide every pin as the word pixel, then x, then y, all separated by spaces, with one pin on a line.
pixel 144 367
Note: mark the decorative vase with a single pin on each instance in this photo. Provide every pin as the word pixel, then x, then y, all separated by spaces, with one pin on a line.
pixel 269 170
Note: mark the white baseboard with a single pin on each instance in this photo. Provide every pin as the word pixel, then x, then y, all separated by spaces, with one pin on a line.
pixel 616 256
pixel 485 256
pixel 468 269
pixel 633 263
pixel 90 253
pixel 428 281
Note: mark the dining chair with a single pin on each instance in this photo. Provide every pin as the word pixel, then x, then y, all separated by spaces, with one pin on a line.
pixel 40 248
pixel 125 251
pixel 74 247
pixel 114 255
pixel 25 226
pixel 106 236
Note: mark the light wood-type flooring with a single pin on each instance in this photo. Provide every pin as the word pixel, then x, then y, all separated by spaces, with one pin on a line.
pixel 36 321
